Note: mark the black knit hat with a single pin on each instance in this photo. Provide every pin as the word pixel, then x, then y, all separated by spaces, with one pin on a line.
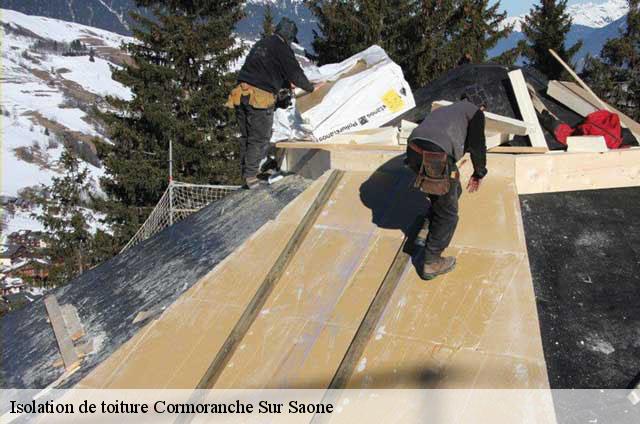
pixel 475 94
pixel 288 30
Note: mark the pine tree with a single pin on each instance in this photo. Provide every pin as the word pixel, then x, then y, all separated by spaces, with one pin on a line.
pixel 433 52
pixel 425 37
pixel 615 76
pixel 92 55
pixel 66 219
pixel 480 27
pixel 545 28
pixel 268 27
pixel 180 78
pixel 342 29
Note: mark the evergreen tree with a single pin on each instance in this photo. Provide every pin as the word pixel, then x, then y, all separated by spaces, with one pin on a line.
pixel 545 28
pixel 66 218
pixel 91 55
pixel 615 75
pixel 268 28
pixel 480 27
pixel 433 52
pixel 180 78
pixel 425 37
pixel 342 29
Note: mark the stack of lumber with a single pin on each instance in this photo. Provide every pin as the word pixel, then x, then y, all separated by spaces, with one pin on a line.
pixel 406 128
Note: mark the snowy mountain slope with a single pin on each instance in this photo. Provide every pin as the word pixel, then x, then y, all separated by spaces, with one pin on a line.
pixel 591 15
pixel 46 104
pixel 111 15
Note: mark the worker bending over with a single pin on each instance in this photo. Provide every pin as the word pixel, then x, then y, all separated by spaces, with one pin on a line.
pixel 270 67
pixel 433 149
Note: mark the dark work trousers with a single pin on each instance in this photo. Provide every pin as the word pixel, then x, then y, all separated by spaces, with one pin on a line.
pixel 256 126
pixel 443 214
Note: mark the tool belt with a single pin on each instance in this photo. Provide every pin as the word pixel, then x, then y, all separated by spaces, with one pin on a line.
pixel 434 176
pixel 258 98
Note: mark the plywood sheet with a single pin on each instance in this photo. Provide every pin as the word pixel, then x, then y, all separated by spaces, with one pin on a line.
pixel 309 291
pixel 489 218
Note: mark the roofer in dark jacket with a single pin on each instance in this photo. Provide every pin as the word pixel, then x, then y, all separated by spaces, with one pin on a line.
pixel 432 152
pixel 270 67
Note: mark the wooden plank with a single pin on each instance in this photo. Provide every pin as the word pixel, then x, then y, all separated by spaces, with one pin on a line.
pixel 590 96
pixel 72 322
pixel 577 171
pixel 338 147
pixel 370 320
pixel 252 310
pixel 385 136
pixel 625 120
pixel 494 123
pixel 527 110
pixel 518 149
pixel 575 76
pixel 586 144
pixel 67 351
pixel 559 92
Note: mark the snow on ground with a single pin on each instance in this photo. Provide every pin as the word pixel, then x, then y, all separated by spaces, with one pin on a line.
pixel 58 30
pixel 52 86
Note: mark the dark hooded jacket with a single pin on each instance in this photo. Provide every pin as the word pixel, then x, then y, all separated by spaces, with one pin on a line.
pixel 271 65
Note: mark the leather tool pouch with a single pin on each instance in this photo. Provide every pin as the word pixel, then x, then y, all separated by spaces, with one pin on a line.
pixel 258 99
pixel 434 176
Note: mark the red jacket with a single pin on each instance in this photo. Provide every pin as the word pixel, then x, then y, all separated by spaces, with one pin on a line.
pixel 602 122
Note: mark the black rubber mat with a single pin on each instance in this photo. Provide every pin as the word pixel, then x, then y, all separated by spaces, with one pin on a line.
pixel 584 251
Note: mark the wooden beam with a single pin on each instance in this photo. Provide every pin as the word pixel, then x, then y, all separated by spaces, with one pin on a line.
pixel 338 147
pixel 625 120
pixel 527 110
pixel 586 143
pixel 72 322
pixel 577 171
pixel 561 93
pixel 65 345
pixel 494 123
pixel 518 149
pixel 385 136
pixel 575 76
pixel 590 96
pixel 252 310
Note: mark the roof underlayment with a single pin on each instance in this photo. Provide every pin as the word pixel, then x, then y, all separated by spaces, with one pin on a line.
pixel 147 278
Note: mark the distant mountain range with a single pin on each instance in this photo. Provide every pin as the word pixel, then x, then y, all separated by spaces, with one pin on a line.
pixel 113 15
pixel 594 23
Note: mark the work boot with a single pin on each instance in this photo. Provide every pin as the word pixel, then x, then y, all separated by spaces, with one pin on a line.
pixel 268 164
pixel 251 183
pixel 438 265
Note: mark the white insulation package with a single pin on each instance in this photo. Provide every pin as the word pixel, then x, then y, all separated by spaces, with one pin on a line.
pixel 364 91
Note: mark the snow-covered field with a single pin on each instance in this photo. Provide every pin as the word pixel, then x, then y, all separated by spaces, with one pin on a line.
pixel 43 89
